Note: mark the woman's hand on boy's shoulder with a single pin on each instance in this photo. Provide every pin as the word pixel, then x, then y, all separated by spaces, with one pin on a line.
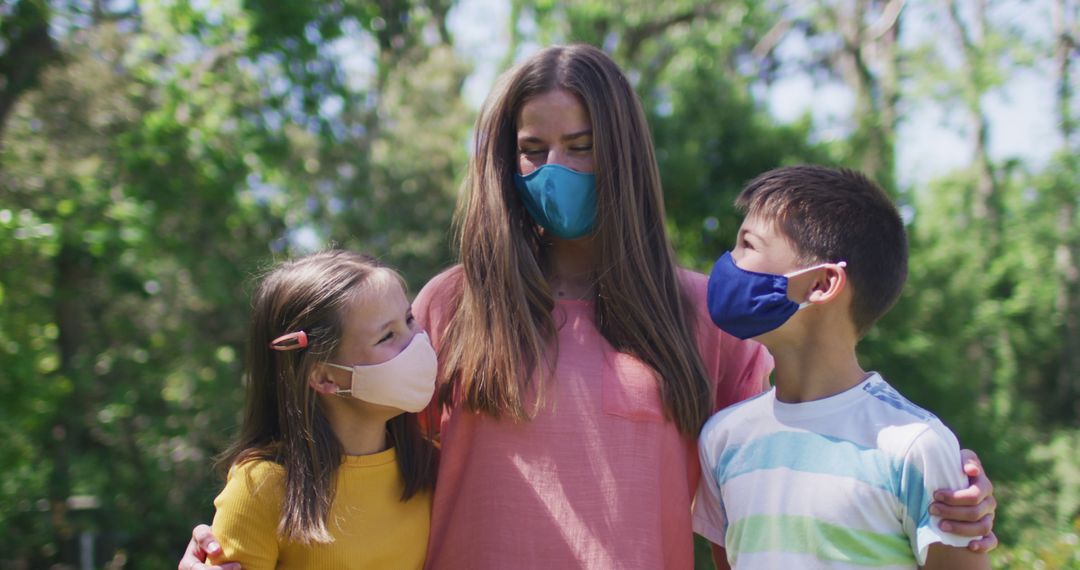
pixel 969 511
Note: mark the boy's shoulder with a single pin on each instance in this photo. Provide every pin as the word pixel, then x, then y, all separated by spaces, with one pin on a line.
pixel 885 419
pixel 882 391
pixel 739 415
pixel 900 426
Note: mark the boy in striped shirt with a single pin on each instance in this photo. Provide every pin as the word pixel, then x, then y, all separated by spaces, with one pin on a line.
pixel 832 468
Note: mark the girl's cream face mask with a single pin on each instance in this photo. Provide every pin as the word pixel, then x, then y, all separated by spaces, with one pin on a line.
pixel 405 382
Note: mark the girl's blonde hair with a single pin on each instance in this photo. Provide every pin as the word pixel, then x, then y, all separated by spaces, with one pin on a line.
pixel 283 419
pixel 496 340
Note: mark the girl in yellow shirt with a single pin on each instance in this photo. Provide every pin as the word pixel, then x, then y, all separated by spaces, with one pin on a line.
pixel 330 469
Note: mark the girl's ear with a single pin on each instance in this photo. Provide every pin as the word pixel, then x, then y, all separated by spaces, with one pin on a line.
pixel 319 379
pixel 829 284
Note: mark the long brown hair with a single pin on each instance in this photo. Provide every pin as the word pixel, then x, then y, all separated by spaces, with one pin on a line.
pixel 496 341
pixel 283 420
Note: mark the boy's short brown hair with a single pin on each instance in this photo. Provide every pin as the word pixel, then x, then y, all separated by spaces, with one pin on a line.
pixel 833 215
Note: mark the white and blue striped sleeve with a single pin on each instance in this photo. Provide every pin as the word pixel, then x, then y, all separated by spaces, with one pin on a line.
pixel 709 518
pixel 931 463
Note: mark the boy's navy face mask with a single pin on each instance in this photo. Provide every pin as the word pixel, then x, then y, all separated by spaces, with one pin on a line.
pixel 746 304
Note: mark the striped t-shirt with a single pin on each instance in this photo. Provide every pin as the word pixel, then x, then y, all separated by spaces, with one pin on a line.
pixel 841 482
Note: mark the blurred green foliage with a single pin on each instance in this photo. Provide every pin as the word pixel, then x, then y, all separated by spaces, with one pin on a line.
pixel 157 155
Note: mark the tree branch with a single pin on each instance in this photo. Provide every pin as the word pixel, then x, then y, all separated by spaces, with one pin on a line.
pixel 639 34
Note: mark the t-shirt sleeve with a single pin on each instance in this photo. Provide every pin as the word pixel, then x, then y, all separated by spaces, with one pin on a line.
pixel 433 308
pixel 709 518
pixel 743 371
pixel 738 368
pixel 932 462
pixel 433 305
pixel 248 511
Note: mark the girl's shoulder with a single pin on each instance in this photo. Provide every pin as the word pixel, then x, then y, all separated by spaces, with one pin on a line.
pixel 258 477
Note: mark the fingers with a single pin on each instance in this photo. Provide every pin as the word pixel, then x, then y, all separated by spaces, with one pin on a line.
pixel 984 544
pixel 192 556
pixel 201 566
pixel 967 497
pixel 976 474
pixel 226 566
pixel 968 458
pixel 979 528
pixel 973 469
pixel 969 511
pixel 979 490
pixel 202 545
pixel 206 541
pixel 966 512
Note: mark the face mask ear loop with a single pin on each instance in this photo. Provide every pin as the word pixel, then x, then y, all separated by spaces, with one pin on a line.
pixel 799 272
pixel 806 304
pixel 341 391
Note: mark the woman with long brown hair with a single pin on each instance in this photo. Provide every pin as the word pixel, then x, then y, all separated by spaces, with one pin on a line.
pixel 577 360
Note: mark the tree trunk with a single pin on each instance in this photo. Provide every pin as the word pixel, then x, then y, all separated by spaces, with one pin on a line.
pixel 70 271
pixel 984 205
pixel 29 50
pixel 869 63
pixel 1067 251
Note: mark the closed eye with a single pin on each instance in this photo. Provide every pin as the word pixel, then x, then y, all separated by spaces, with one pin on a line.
pixel 385 338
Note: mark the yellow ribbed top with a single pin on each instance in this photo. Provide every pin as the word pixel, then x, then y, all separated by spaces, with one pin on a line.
pixel 371 526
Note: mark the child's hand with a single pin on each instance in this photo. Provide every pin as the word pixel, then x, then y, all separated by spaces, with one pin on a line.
pixel 969 511
pixel 202 546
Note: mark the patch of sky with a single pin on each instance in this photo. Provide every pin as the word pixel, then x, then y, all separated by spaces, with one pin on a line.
pixel 355 52
pixel 312 34
pixel 481 35
pixel 664 106
pixel 260 190
pixel 931 137
pixel 212 10
pixel 305 239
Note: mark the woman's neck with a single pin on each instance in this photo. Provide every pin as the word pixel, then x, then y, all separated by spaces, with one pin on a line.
pixel 571 268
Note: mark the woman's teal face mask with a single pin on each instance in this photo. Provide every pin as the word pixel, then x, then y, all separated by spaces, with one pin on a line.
pixel 561 200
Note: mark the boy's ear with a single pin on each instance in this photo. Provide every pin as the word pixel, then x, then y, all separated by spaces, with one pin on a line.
pixel 319 379
pixel 829 282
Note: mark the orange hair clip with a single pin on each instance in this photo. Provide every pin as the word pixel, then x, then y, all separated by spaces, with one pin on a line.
pixel 292 341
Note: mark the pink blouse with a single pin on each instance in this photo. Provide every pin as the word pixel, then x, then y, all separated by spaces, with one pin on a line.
pixel 598 479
